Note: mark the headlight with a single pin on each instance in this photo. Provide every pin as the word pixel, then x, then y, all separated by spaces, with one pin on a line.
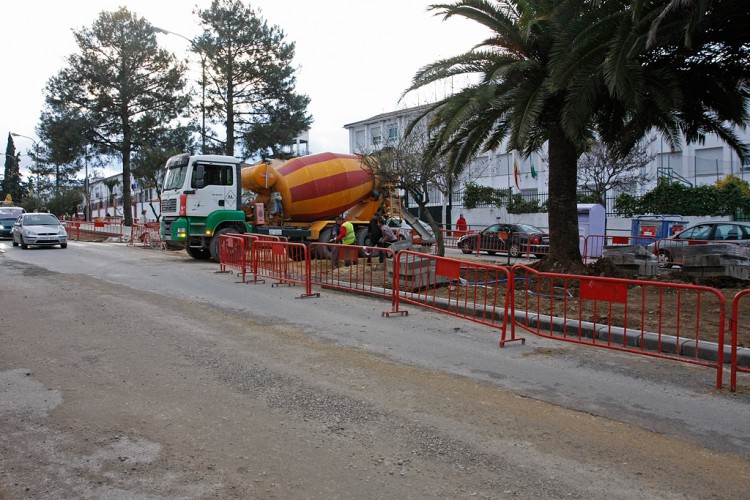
pixel 62 232
pixel 27 232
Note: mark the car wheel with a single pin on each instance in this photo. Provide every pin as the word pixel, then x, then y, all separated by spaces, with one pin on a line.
pixel 515 250
pixel 665 260
pixel 15 243
pixel 63 245
pixel 465 247
pixel 23 245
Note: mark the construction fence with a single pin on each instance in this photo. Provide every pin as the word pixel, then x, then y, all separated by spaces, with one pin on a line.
pixel 671 321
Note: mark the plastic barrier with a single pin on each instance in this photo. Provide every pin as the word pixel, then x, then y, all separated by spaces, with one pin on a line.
pixel 281 261
pixel 474 291
pixel 627 315
pixel 232 254
pixel 735 326
pixel 594 244
pixel 360 268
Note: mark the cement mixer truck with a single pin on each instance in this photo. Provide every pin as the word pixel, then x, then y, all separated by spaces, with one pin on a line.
pixel 203 198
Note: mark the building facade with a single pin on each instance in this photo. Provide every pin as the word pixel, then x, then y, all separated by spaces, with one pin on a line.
pixel 696 164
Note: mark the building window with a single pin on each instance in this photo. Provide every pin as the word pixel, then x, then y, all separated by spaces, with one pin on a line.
pixel 393 133
pixel 359 139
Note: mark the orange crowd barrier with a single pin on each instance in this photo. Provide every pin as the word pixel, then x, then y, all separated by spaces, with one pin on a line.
pixel 283 262
pixel 628 315
pixel 477 292
pixel 232 254
pixel 359 268
pixel 737 305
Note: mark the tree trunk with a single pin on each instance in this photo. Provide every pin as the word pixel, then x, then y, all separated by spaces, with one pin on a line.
pixel 565 253
pixel 127 209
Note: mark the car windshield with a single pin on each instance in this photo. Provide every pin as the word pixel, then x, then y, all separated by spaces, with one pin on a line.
pixel 525 228
pixel 10 213
pixel 41 220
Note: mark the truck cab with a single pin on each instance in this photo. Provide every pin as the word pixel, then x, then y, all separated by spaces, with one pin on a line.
pixel 201 199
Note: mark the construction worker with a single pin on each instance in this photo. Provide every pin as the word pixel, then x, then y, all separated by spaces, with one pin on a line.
pixel 346 236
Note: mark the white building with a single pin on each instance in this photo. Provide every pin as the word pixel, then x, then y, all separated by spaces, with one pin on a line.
pixel 106 204
pixel 696 164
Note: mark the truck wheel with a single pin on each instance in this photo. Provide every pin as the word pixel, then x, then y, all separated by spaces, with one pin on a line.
pixel 323 251
pixel 198 253
pixel 361 240
pixel 213 247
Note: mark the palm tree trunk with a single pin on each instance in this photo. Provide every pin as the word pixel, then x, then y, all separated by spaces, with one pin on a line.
pixel 565 252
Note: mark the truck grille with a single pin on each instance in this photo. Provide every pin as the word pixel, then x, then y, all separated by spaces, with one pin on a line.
pixel 169 205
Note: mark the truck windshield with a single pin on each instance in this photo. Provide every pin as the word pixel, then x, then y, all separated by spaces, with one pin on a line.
pixel 175 178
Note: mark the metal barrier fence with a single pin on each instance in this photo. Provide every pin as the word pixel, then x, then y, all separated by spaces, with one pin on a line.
pixel 628 315
pixel 281 261
pixel 672 321
pixel 148 235
pixel 93 229
pixel 735 327
pixel 514 244
pixel 469 290
pixel 361 269
pixel 232 254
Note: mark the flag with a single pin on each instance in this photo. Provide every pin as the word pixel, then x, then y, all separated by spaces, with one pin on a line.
pixel 533 171
pixel 515 172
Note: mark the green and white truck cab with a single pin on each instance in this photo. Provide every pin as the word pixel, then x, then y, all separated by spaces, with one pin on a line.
pixel 201 200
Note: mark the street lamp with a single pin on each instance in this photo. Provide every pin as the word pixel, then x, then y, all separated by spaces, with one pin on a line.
pixel 36 158
pixel 203 80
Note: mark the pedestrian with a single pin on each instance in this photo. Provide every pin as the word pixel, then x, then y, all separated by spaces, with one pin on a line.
pixel 387 237
pixel 143 217
pixel 373 235
pixel 460 226
pixel 346 236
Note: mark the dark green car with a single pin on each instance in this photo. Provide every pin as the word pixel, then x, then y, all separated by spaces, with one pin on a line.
pixel 8 216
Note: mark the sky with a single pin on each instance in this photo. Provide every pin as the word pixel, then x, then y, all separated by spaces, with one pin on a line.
pixel 354 58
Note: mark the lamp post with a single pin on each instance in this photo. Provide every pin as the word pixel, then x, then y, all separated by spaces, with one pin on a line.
pixel 203 80
pixel 36 159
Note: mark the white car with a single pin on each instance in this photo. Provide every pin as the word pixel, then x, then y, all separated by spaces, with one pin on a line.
pixel 39 229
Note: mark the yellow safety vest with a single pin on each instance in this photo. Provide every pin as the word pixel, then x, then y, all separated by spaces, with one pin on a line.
pixel 349 237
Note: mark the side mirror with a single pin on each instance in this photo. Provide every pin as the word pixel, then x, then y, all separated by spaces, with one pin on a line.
pixel 200 173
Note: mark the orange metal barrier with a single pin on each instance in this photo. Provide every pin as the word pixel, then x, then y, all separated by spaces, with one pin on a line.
pixel 95 229
pixel 360 268
pixel 735 326
pixel 593 244
pixel 628 315
pixel 515 245
pixel 232 254
pixel 281 261
pixel 477 292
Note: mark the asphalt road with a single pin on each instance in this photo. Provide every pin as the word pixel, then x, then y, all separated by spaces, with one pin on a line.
pixel 133 373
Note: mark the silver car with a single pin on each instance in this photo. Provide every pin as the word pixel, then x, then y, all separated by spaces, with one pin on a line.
pixel 670 251
pixel 39 229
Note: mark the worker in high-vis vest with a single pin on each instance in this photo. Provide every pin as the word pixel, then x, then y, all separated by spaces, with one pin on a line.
pixel 346 236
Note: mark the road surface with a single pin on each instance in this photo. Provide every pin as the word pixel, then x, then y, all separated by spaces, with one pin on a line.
pixel 134 373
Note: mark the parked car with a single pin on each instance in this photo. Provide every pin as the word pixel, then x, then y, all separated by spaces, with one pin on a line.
pixel 8 217
pixel 39 229
pixel 515 239
pixel 670 251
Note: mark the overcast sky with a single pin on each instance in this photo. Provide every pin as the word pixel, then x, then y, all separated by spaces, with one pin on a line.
pixel 354 57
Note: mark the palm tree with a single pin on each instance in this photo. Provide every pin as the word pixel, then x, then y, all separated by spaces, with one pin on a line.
pixel 568 72
pixel 514 99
